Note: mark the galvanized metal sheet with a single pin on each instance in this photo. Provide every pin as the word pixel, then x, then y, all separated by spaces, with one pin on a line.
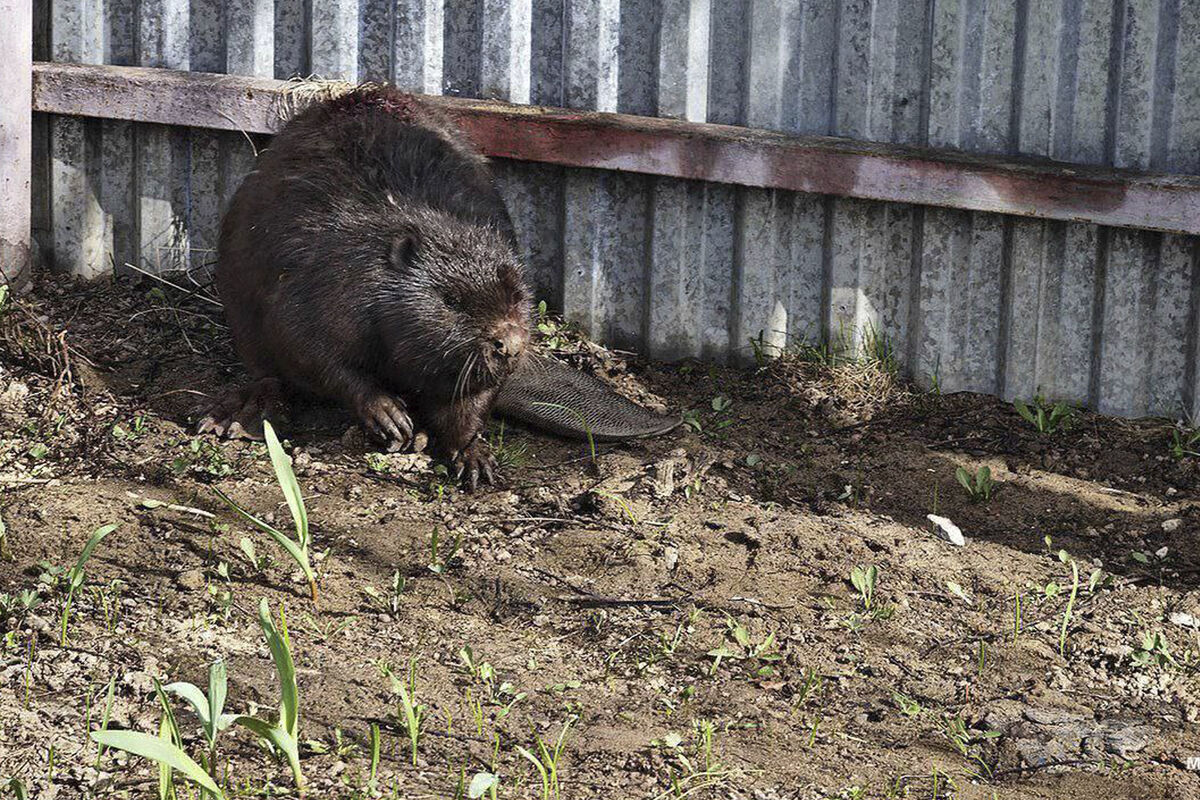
pixel 683 269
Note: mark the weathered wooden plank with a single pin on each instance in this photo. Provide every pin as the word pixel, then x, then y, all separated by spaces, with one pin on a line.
pixel 672 148
pixel 16 141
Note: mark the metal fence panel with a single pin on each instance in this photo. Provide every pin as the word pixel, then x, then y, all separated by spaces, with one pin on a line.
pixel 685 269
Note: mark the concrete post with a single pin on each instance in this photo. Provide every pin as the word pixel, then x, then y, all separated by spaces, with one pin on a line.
pixel 16 137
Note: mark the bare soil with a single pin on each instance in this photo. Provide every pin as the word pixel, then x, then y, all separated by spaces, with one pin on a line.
pixel 683 604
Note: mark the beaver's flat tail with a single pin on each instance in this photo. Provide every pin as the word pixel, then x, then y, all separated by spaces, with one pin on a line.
pixel 551 396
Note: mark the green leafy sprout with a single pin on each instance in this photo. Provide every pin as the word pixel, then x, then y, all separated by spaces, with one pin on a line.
pixel 979 486
pixel 76 577
pixel 297 548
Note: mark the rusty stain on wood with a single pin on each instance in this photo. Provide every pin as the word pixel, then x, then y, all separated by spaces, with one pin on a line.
pixel 670 147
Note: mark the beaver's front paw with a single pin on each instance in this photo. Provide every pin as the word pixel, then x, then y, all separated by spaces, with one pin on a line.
pixel 386 420
pixel 473 462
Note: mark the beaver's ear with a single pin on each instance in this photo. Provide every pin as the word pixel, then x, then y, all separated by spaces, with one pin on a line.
pixel 404 250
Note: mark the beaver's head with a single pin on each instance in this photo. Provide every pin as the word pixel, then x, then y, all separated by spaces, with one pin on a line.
pixel 463 288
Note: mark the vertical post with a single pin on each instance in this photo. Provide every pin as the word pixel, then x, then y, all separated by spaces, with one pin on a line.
pixel 16 138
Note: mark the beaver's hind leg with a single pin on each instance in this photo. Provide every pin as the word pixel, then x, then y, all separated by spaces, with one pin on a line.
pixel 240 413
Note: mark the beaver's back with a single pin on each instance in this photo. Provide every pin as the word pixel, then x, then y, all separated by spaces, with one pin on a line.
pixel 319 215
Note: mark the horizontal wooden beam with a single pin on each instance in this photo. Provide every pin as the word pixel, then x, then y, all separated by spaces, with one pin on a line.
pixel 669 148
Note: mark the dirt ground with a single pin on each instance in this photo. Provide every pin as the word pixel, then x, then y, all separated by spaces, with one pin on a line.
pixel 683 606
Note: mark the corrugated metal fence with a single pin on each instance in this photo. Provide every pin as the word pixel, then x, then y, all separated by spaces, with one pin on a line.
pixel 677 268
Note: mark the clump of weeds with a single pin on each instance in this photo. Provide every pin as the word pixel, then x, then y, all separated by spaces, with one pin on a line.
pixel 979 487
pixel 1044 416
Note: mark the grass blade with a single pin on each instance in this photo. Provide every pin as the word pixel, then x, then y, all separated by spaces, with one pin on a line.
pixel 296 551
pixel 286 476
pixel 161 752
pixel 166 786
pixel 281 741
pixel 281 654
pixel 218 686
pixel 191 694
pixel 96 537
pixel 582 421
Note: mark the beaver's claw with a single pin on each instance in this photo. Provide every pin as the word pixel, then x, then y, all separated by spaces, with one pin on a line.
pixel 475 461
pixel 386 420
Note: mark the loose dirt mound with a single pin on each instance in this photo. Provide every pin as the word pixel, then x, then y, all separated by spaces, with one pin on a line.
pixel 685 605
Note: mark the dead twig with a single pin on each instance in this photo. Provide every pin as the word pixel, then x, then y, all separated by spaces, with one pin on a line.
pixel 176 286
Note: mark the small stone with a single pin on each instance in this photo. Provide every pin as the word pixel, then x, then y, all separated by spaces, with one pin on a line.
pixel 192 579
pixel 1125 740
pixel 37 623
pixel 140 682
pixel 671 557
pixel 1041 754
pixel 1171 525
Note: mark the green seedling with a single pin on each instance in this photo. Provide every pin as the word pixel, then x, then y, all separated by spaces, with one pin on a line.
pixel 1043 416
pixel 373 779
pixel 15 785
pixel 378 463
pixel 483 783
pixel 209 709
pixel 203 457
pixel 475 706
pixel 587 428
pixel 296 548
pixel 763 653
pixel 164 752
pixel 389 603
pixel 1154 650
pixel 908 707
pixel 76 577
pixel 507 690
pixel 863 579
pixel 168 731
pixel 136 428
pixel 549 328
pixel 1184 443
pixel 284 736
pixel 112 686
pixel 621 502
pixel 439 560
pixel 967 744
pixel 547 760
pixel 758 345
pixel 1062 636
pixel 411 713
pixel 16 606
pixel 343 747
pixel 259 563
pixel 979 486
pixel 508 454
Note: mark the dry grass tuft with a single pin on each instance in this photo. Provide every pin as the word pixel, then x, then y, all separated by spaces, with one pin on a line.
pixel 28 341
pixel 850 380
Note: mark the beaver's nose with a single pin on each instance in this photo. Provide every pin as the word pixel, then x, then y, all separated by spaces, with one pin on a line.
pixel 508 344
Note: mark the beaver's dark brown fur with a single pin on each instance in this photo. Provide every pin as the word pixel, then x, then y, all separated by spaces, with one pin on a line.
pixel 370 260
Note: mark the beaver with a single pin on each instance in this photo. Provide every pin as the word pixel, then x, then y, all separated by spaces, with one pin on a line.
pixel 370 260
